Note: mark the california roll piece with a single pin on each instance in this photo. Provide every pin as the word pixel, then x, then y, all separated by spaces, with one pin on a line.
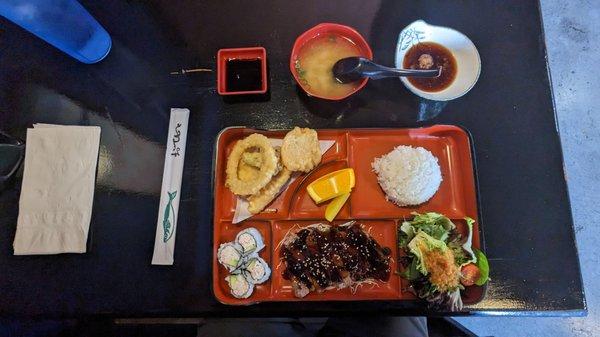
pixel 250 240
pixel 257 270
pixel 239 285
pixel 230 255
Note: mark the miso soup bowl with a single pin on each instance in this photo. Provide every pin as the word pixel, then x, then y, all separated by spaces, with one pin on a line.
pixel 324 29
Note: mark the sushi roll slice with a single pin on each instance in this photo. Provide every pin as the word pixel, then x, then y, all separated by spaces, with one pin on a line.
pixel 256 270
pixel 230 255
pixel 239 285
pixel 250 240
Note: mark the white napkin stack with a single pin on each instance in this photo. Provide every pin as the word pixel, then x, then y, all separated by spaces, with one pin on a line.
pixel 55 208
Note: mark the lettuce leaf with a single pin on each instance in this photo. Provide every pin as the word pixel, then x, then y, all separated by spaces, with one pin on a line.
pixel 484 268
pixel 434 224
pixel 407 233
pixel 468 245
pixel 460 256
pixel 411 273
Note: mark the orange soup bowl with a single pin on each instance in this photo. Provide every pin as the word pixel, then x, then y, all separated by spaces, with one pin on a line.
pixel 325 29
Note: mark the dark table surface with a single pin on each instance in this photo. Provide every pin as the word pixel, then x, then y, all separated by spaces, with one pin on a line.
pixel 524 202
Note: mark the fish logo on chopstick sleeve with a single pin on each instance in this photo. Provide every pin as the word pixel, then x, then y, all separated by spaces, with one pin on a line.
pixel 169 217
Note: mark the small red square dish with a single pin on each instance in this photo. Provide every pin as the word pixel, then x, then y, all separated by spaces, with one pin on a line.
pixel 242 71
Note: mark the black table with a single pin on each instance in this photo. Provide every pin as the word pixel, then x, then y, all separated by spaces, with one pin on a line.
pixel 524 203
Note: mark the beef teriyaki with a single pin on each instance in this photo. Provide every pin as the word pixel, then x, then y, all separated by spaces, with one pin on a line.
pixel 324 256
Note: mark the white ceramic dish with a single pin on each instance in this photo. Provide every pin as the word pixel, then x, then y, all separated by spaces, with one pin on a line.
pixel 468 63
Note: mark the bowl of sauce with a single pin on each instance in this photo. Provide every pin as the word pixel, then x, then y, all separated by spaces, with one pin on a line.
pixel 242 71
pixel 424 46
pixel 317 50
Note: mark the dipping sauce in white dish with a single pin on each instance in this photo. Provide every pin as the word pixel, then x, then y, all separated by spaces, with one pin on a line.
pixel 431 55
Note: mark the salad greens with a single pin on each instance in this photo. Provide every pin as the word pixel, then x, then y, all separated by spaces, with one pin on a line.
pixel 463 252
pixel 434 224
pixel 467 246
pixel 432 237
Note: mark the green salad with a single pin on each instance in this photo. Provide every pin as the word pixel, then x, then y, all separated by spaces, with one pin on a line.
pixel 438 261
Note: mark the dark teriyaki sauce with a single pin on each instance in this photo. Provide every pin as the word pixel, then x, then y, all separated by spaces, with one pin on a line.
pixel 430 55
pixel 243 75
pixel 320 259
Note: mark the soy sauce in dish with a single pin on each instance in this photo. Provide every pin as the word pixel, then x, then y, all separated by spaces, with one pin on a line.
pixel 430 55
pixel 243 75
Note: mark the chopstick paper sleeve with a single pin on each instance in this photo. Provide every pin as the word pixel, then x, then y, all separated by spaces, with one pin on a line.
pixel 166 226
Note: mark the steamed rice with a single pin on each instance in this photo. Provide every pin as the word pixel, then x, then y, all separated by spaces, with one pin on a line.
pixel 408 175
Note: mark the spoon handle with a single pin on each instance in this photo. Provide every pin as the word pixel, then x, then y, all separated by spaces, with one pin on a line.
pixel 376 71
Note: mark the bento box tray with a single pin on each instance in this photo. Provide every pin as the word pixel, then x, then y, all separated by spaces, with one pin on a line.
pixel 293 208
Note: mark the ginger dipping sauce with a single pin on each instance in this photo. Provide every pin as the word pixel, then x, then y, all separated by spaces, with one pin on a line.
pixel 430 55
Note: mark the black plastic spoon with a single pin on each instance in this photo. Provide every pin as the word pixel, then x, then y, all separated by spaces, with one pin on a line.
pixel 352 69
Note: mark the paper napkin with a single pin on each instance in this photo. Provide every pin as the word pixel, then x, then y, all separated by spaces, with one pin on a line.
pixel 57 193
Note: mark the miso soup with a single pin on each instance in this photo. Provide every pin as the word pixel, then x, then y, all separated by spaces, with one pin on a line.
pixel 315 62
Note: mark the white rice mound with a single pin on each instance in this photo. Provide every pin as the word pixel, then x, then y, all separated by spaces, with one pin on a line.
pixel 408 175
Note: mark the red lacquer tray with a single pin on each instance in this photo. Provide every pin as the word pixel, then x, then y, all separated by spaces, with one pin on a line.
pixel 356 148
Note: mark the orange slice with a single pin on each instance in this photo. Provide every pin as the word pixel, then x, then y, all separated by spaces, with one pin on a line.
pixel 331 185
pixel 335 206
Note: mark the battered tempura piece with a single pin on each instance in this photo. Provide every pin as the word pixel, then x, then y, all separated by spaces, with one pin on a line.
pixel 258 202
pixel 253 159
pixel 244 179
pixel 247 172
pixel 300 150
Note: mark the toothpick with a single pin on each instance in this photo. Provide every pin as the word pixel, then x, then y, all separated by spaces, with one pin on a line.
pixel 195 70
